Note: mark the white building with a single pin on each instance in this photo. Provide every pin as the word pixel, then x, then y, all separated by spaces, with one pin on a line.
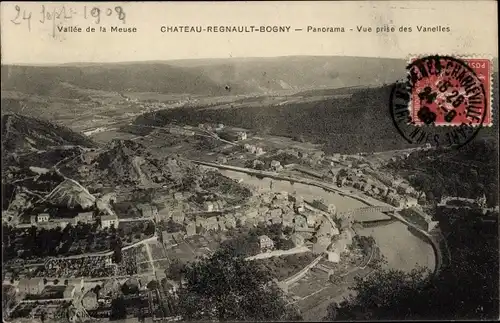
pixel 242 135
pixel 266 243
pixel 109 220
pixel 43 217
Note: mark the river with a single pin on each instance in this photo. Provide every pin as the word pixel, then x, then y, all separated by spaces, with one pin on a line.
pixel 402 249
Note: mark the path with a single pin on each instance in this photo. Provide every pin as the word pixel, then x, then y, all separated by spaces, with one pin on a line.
pixel 302 272
pixel 150 256
pixel 277 253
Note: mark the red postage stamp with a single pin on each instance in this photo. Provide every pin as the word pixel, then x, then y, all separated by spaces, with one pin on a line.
pixel 450 91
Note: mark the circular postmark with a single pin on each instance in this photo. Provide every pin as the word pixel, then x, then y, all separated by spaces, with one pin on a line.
pixel 442 103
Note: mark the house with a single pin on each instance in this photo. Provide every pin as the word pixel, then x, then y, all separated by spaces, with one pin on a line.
pixel 230 221
pixel 384 190
pixel 276 165
pixel 178 196
pixel 266 243
pixel 311 220
pixel 299 206
pixel 219 205
pixel 250 148
pixel 259 151
pixel 109 220
pixel 325 229
pixel 212 224
pixel 191 229
pixel 85 217
pixel 89 300
pixel 32 286
pixel 147 210
pixel 241 219
pixel 320 205
pixel 297 239
pixel 339 246
pixel 394 200
pixel 410 201
pixel 43 217
pixel 251 222
pixel 200 222
pixel 57 223
pixel 333 256
pixel 208 206
pixel 300 221
pixel 178 216
pixel 276 219
pixel 242 135
pixel 404 188
pixel 287 219
pixel 222 224
pixel 341 181
pixel 69 291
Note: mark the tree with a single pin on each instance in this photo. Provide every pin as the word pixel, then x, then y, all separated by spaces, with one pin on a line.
pixel 466 288
pixel 175 270
pixel 118 309
pixel 224 287
pixel 375 297
pixel 97 290
pixel 285 244
pixel 152 285
pixel 117 254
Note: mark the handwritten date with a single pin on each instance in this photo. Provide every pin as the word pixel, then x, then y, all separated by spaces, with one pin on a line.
pixel 61 14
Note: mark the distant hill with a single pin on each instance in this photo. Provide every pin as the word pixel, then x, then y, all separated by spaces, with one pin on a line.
pixel 57 80
pixel 21 132
pixel 204 77
pixel 359 123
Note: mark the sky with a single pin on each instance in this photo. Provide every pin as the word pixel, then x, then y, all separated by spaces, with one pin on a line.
pixel 30 36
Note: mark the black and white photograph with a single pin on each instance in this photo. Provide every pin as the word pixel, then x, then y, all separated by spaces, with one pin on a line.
pixel 249 161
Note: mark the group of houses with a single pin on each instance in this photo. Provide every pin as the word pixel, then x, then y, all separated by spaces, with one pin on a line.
pixel 254 150
pixel 396 193
pixel 37 286
pixel 269 208
pixel 44 220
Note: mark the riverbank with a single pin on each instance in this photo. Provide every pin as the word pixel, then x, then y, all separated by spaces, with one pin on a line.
pixel 402 249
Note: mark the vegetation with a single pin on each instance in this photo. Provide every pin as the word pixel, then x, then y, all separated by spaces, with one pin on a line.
pixel 215 182
pixel 228 288
pixel 118 309
pixel 245 241
pixel 170 226
pixel 466 289
pixel 469 172
pixel 175 270
pixel 72 240
pixel 286 266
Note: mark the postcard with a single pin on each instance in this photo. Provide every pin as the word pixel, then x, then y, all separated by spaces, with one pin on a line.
pixel 249 161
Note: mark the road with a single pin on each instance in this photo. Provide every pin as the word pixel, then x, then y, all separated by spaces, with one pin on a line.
pixel 277 253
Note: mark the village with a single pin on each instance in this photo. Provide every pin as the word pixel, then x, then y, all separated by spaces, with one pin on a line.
pixel 101 259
